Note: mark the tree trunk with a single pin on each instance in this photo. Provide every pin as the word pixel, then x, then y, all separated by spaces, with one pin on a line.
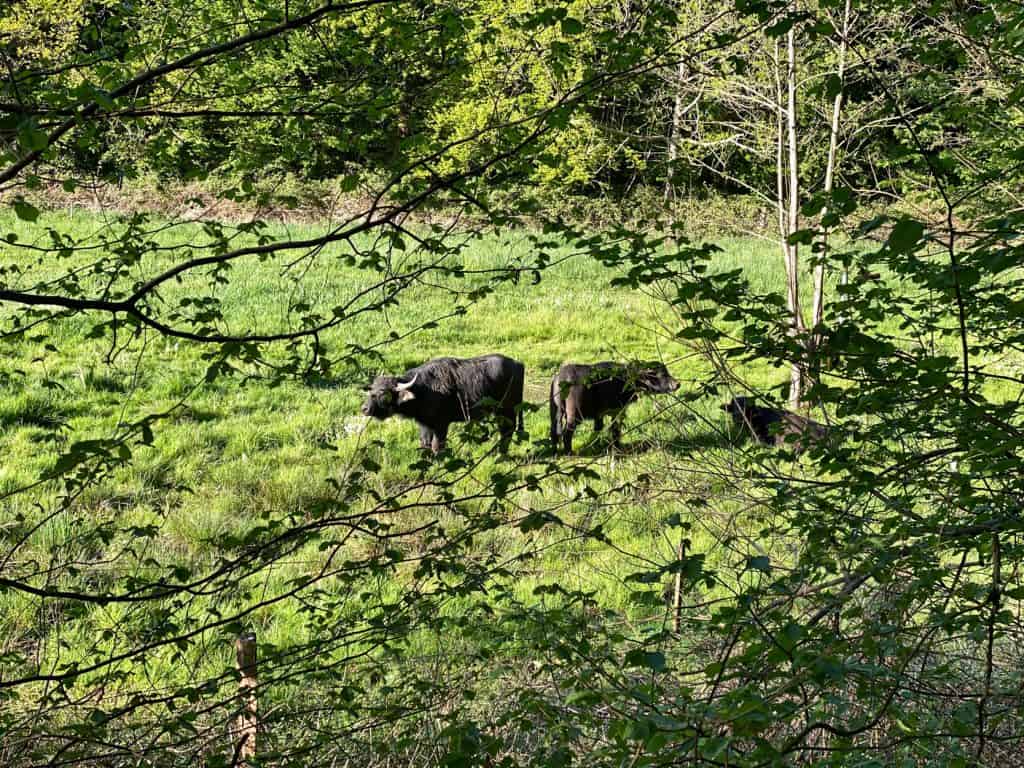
pixel 796 379
pixel 673 132
pixel 818 311
pixel 780 162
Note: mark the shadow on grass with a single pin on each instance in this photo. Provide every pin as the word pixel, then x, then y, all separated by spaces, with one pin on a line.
pixel 705 440
pixel 35 412
pixel 335 382
pixel 190 413
pixel 98 381
pixel 597 445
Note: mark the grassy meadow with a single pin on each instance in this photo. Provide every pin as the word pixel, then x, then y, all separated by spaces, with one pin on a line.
pixel 239 450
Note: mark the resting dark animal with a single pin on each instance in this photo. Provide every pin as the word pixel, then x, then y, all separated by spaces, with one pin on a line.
pixel 597 390
pixel 450 389
pixel 776 426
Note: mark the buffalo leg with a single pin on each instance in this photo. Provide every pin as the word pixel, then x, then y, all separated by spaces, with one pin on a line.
pixel 440 437
pixel 616 428
pixel 555 414
pixel 567 432
pixel 426 437
pixel 507 428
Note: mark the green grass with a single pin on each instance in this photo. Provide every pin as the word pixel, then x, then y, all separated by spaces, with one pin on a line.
pixel 241 451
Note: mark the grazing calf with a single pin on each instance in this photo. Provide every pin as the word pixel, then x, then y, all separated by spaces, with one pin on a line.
pixel 597 390
pixel 774 425
pixel 449 389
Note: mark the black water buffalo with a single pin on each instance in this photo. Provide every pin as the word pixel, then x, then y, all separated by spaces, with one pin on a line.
pixel 449 389
pixel 597 390
pixel 774 425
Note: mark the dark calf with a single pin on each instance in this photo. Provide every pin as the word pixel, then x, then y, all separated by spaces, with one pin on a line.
pixel 449 389
pixel 597 390
pixel 774 425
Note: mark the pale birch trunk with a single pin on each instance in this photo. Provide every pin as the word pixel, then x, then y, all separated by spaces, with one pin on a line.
pixel 780 162
pixel 818 310
pixel 674 128
pixel 796 378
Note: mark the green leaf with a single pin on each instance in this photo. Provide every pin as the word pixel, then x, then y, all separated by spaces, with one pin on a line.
pixel 760 563
pixel 654 660
pixel 802 237
pixel 536 520
pixel 571 26
pixel 33 139
pixel 24 210
pixel 905 235
pixel 833 86
pixel 781 27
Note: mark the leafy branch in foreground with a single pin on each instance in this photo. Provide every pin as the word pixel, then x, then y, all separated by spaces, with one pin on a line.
pixel 696 597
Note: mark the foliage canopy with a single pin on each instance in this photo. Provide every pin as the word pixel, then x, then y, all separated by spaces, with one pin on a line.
pixel 857 604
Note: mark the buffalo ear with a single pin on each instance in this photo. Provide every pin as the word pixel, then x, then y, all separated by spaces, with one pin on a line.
pixel 405 395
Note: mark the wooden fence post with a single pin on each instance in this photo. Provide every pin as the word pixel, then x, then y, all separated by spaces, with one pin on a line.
pixel 245 727
pixel 677 602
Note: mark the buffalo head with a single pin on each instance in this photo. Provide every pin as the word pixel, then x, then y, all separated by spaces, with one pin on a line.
pixel 739 408
pixel 655 378
pixel 386 394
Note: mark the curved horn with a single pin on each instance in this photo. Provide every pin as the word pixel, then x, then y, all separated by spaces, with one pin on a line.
pixel 403 387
